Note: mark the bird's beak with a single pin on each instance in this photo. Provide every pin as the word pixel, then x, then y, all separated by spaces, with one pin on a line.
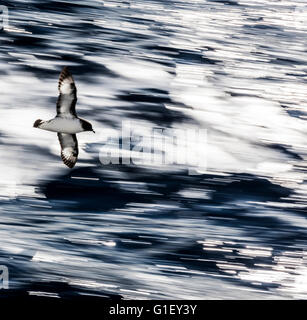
pixel 94 131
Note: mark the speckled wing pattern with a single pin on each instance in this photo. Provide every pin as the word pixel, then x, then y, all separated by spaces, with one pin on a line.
pixel 66 104
pixel 69 148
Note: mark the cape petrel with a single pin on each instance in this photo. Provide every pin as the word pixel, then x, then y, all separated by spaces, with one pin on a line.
pixel 66 123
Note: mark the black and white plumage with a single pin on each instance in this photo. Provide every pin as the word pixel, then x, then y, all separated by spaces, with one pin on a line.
pixel 66 104
pixel 66 123
pixel 69 148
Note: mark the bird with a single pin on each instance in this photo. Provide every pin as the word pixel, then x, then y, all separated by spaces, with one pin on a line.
pixel 66 122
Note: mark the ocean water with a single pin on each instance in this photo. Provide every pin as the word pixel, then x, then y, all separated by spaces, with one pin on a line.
pixel 226 220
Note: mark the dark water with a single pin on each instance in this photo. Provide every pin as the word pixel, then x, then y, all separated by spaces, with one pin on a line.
pixel 235 230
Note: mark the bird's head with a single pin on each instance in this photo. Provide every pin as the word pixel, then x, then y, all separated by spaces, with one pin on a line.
pixel 87 126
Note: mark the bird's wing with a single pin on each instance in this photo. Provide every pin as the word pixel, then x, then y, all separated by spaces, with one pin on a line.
pixel 66 104
pixel 69 148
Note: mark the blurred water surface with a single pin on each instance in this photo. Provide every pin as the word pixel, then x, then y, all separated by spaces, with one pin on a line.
pixel 236 230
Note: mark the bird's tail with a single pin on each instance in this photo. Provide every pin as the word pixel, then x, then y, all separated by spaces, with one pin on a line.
pixel 37 123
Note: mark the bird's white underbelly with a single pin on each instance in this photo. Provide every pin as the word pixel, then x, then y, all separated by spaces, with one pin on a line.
pixel 63 125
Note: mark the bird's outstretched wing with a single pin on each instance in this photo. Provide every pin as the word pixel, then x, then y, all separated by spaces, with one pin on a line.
pixel 69 148
pixel 66 104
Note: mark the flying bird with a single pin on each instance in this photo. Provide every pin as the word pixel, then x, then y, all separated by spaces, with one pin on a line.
pixel 66 123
